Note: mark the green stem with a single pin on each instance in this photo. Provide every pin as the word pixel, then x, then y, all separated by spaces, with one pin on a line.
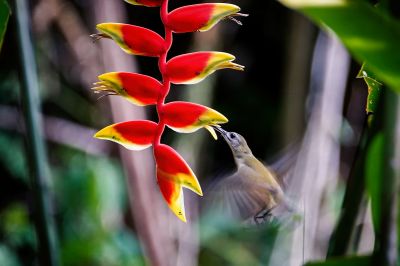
pixel 386 250
pixel 48 251
pixel 340 238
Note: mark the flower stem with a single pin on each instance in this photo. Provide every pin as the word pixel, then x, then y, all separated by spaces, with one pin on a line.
pixel 162 64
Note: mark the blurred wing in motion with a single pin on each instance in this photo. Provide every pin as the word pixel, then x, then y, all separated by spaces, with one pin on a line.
pixel 283 163
pixel 238 198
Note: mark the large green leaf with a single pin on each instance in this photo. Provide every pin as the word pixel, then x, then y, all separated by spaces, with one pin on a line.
pixel 346 261
pixel 4 15
pixel 370 35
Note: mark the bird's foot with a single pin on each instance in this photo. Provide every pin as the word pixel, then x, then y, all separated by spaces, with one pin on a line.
pixel 262 217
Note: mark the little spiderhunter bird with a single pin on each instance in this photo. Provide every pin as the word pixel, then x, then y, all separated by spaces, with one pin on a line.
pixel 252 193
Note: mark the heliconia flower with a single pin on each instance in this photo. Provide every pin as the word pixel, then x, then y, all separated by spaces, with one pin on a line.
pixel 138 89
pixel 133 135
pixel 186 117
pixel 149 3
pixel 194 67
pixel 200 17
pixel 132 39
pixel 173 173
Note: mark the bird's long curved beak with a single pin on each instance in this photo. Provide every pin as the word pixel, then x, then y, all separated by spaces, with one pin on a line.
pixel 221 131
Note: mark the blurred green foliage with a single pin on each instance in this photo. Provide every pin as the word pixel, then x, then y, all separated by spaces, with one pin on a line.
pixel 15 223
pixel 13 158
pixel 91 194
pixel 371 35
pixel 91 198
pixel 348 261
pixel 225 242
pixel 4 16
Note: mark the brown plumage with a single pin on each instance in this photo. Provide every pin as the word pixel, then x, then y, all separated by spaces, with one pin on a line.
pixel 252 191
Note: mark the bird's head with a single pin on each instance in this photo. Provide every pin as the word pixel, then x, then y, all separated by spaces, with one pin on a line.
pixel 236 142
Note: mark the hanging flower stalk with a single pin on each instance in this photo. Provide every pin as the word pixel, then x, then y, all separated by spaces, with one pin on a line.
pixel 173 173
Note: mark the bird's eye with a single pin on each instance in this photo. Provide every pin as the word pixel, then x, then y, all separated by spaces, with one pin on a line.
pixel 232 135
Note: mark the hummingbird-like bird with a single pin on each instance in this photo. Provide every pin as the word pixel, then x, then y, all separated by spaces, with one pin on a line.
pixel 252 193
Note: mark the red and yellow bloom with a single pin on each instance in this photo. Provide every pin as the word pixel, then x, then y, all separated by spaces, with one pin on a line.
pixel 133 135
pixel 133 39
pixel 200 17
pixel 194 67
pixel 186 117
pixel 173 173
pixel 137 88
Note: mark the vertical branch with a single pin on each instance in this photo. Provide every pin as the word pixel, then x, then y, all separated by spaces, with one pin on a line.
pixel 340 239
pixel 386 253
pixel 386 244
pixel 313 179
pixel 296 77
pixel 48 250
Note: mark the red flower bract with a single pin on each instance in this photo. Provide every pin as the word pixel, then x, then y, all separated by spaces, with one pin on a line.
pixel 134 39
pixel 174 167
pixel 173 173
pixel 143 88
pixel 136 88
pixel 186 117
pixel 194 67
pixel 200 17
pixel 134 135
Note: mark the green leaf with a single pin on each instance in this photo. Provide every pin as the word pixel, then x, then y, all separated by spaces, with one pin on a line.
pixel 374 170
pixel 5 12
pixel 374 89
pixel 345 261
pixel 370 35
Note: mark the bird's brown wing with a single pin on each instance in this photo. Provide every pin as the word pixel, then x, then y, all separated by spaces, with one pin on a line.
pixel 238 197
pixel 283 164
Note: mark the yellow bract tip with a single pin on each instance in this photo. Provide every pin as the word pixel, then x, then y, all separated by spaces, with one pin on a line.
pixel 212 117
pixel 212 132
pixel 232 65
pixel 222 57
pixel 190 182
pixel 178 206
pixel 106 133
pixel 133 2
pixel 221 11
pixel 111 76
pixel 108 27
pixel 221 60
pixel 226 9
